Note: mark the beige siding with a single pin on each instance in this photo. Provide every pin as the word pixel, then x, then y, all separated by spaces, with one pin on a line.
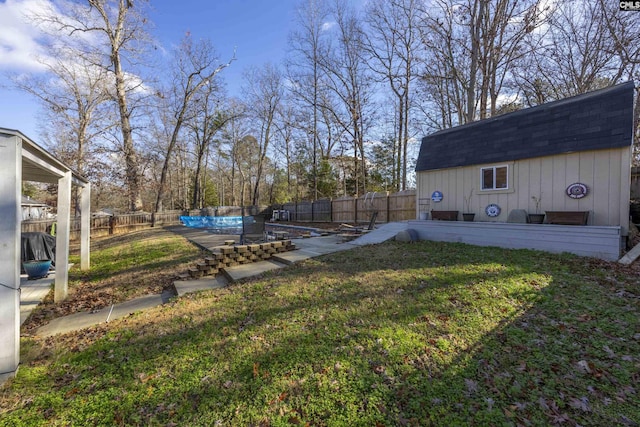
pixel 605 172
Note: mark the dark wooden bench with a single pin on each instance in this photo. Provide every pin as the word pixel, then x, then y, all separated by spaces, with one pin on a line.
pixel 567 217
pixel 444 215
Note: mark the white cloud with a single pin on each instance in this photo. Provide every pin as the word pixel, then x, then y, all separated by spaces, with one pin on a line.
pixel 19 39
pixel 326 26
pixel 23 41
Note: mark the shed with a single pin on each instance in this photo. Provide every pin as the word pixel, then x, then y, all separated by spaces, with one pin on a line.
pixel 573 155
pixel 33 209
pixel 22 159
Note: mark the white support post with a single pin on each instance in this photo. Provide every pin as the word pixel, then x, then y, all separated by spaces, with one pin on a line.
pixel 85 227
pixel 10 201
pixel 63 218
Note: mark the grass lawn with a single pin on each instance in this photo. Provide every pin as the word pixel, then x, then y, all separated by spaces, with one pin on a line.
pixel 387 335
pixel 122 267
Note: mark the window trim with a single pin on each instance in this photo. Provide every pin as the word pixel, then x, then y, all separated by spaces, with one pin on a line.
pixel 494 168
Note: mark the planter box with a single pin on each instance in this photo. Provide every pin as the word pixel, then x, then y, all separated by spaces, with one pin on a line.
pixel 567 217
pixel 444 215
pixel 468 217
pixel 536 218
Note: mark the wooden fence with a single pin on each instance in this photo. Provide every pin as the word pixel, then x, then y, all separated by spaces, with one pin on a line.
pixel 126 223
pixel 390 207
pixel 106 225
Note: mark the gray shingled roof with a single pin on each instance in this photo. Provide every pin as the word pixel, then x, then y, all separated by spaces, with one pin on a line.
pixel 592 121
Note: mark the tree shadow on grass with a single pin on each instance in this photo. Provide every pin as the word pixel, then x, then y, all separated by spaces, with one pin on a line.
pixel 448 335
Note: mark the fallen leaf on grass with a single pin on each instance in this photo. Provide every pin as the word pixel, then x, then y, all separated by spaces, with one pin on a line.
pixel 627 422
pixel 379 369
pixel 71 392
pixel 581 404
pixel 585 317
pixel 519 406
pixel 609 352
pixel 559 418
pixel 542 402
pixel 282 396
pixel 472 386
pixel 144 377
pixel 490 403
pixel 583 366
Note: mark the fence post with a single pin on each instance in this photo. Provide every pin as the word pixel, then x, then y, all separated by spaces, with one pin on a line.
pixel 355 210
pixel 312 205
pixel 330 210
pixel 388 209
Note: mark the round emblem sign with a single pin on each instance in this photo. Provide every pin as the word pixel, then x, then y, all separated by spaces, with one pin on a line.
pixel 436 196
pixel 492 210
pixel 577 190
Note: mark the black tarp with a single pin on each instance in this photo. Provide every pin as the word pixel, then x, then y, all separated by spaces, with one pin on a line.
pixel 38 246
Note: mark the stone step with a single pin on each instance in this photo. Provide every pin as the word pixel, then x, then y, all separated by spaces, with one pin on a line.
pixel 195 272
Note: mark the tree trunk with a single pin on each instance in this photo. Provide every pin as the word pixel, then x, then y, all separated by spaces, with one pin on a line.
pixel 474 29
pixel 130 155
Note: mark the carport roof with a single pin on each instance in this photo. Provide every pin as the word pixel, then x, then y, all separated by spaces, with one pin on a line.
pixel 40 166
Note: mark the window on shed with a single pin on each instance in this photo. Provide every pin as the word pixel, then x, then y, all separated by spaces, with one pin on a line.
pixel 495 178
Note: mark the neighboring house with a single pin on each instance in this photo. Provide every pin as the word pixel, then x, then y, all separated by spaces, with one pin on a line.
pixel 32 209
pixel 573 154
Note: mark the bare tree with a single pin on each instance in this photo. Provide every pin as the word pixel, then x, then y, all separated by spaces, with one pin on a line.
pixel 196 67
pixel 349 79
pixel 587 46
pixel 291 149
pixel 623 29
pixel 285 128
pixel 204 126
pixel 230 151
pixel 122 27
pixel 264 90
pixel 474 47
pixel 74 97
pixel 578 53
pixel 119 30
pixel 245 154
pixel 444 81
pixel 395 47
pixel 307 47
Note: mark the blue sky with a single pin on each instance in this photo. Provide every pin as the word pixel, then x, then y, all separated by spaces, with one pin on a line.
pixel 257 29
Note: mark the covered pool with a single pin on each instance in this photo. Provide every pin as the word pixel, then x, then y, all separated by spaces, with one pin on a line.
pixel 215 224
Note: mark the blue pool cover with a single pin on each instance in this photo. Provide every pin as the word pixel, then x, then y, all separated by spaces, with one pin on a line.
pixel 215 224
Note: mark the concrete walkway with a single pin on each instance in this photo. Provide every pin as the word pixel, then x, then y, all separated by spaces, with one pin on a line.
pixel 381 234
pixel 84 319
pixel 34 291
